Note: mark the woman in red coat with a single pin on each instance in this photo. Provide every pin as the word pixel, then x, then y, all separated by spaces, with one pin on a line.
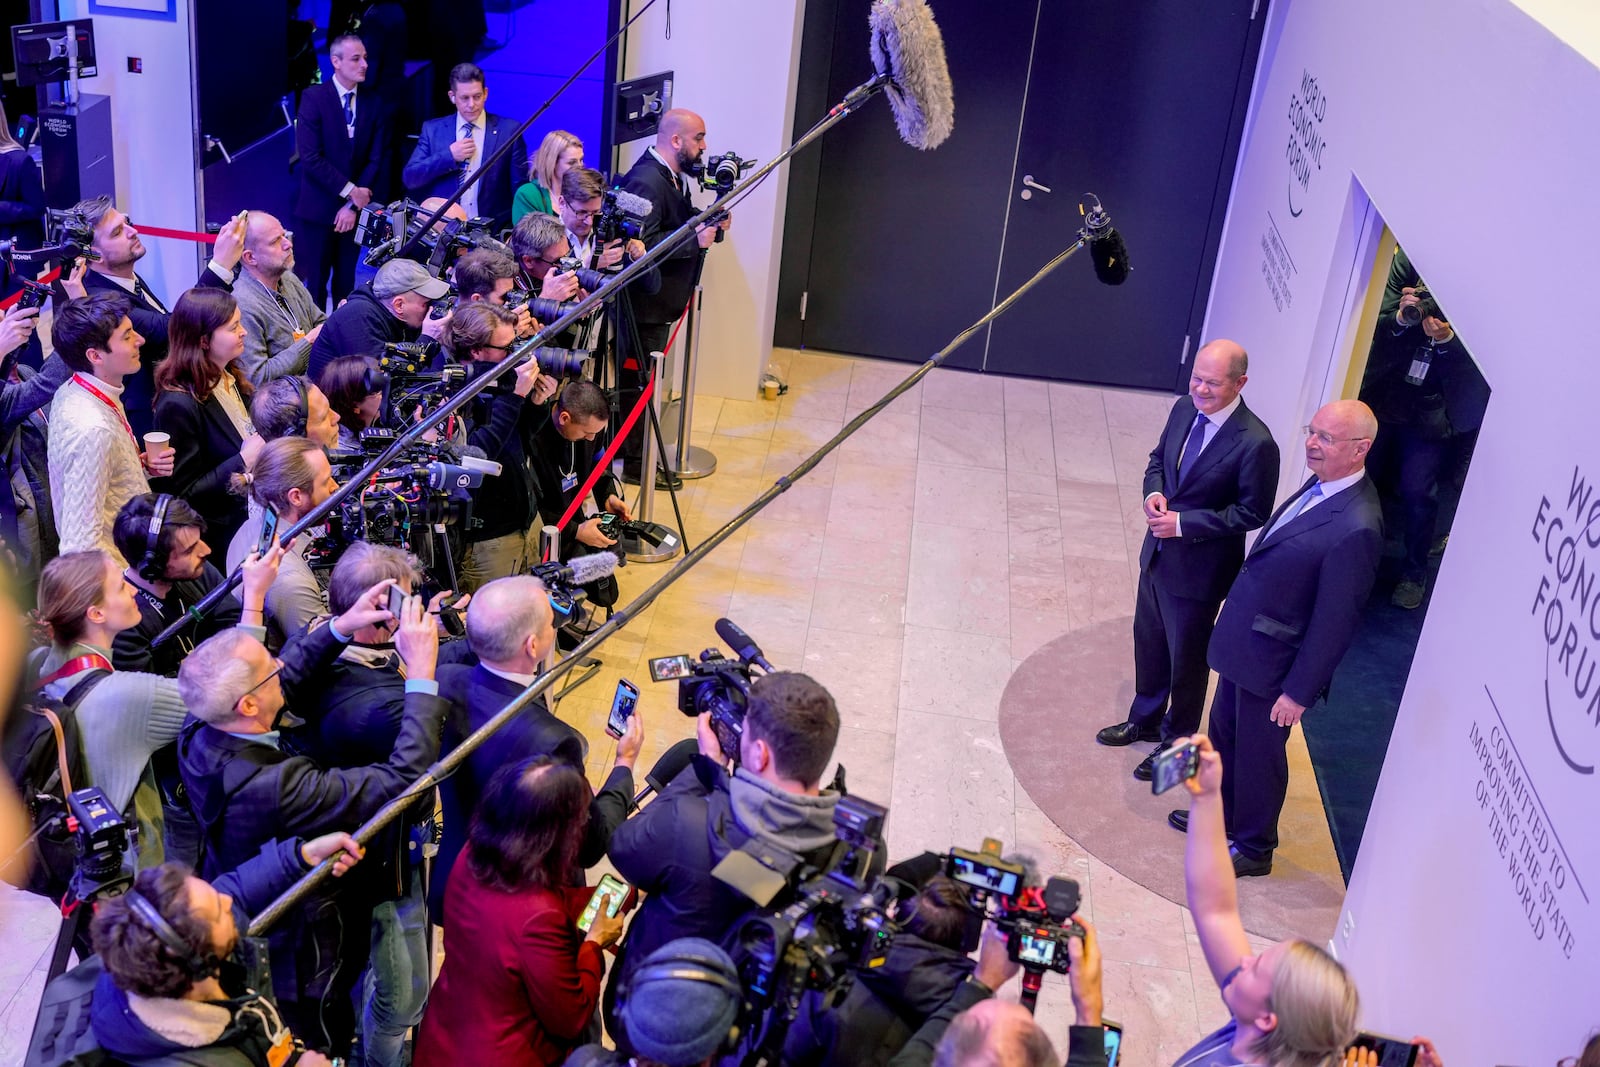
pixel 520 982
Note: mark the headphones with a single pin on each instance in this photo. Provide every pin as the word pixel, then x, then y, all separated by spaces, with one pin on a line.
pixel 195 965
pixel 690 965
pixel 152 566
pixel 304 393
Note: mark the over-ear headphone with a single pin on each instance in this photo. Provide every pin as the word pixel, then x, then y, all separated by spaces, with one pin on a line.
pixel 152 566
pixel 304 392
pixel 689 964
pixel 196 965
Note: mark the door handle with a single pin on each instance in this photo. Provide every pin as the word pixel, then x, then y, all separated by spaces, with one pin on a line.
pixel 1030 185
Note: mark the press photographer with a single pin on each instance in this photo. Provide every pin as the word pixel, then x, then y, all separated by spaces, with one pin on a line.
pixel 581 204
pixel 394 308
pixel 774 796
pixel 486 277
pixel 563 456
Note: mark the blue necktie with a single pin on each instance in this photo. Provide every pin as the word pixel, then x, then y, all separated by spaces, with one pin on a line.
pixel 350 108
pixel 1314 493
pixel 466 164
pixel 1191 450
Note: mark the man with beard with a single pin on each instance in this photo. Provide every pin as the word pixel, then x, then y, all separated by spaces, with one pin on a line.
pixel 281 321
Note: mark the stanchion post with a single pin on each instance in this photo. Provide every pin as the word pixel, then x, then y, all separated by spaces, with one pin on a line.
pixel 691 461
pixel 662 542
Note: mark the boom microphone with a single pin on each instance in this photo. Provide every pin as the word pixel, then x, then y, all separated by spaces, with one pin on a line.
pixel 742 644
pixel 907 47
pixel 669 766
pixel 631 203
pixel 1106 248
pixel 579 570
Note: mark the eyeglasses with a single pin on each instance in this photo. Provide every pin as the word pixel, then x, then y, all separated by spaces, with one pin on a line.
pixel 1326 438
pixel 549 262
pixel 277 668
pixel 495 348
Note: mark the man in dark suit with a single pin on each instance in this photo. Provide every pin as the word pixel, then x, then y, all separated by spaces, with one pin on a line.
pixel 451 150
pixel 1209 482
pixel 510 627
pixel 1287 622
pixel 661 176
pixel 117 241
pixel 342 138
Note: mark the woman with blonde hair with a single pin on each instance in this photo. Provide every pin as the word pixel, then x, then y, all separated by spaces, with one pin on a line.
pixel 558 153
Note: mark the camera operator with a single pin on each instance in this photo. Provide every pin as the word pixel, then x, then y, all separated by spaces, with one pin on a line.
pixel 281 320
pixel 973 1028
pixel 775 796
pixel 660 176
pixel 247 790
pixel 564 454
pixel 580 202
pixel 511 630
pixel 486 277
pixel 678 1012
pixel 1293 1003
pixel 27 521
pixel 94 459
pixel 503 538
pixel 348 383
pixel 540 244
pixel 395 308
pixel 118 243
pixel 291 476
pixel 294 407
pixel 170 990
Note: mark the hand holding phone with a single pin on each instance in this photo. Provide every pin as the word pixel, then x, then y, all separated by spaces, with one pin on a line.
pixel 1176 764
pixel 269 530
pixel 605 927
pixel 622 708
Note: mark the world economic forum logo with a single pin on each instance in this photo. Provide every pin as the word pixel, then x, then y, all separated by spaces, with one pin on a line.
pixel 1566 607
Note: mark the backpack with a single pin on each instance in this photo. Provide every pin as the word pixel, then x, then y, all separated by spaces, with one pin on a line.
pixel 43 751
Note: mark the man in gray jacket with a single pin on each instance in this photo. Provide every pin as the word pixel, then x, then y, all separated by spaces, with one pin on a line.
pixel 281 321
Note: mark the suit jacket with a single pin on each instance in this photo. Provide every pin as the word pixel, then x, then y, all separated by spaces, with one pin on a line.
pixel 476 695
pixel 329 157
pixel 432 171
pixel 207 455
pixel 1293 610
pixel 1228 492
pixel 669 209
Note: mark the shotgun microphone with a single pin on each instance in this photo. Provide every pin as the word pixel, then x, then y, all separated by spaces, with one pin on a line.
pixel 669 766
pixel 908 49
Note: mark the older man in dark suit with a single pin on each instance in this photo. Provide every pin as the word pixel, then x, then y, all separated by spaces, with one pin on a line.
pixel 452 149
pixel 1209 482
pixel 342 138
pixel 510 627
pixel 1287 622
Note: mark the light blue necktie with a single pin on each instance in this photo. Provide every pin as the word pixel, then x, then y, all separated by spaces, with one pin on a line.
pixel 1314 493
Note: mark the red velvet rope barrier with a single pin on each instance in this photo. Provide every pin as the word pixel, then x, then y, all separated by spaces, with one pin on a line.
pixel 606 457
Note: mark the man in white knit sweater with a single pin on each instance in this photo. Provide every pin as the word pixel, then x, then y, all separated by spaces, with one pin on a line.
pixel 96 464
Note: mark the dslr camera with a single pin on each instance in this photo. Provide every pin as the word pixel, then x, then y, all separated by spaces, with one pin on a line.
pixel 720 173
pixel 621 218
pixel 1425 307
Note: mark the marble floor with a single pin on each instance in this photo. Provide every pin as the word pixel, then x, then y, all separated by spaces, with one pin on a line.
pixel 966 526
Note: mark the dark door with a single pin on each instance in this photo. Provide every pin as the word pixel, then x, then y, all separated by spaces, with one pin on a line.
pixel 889 252
pixel 892 250
pixel 1137 103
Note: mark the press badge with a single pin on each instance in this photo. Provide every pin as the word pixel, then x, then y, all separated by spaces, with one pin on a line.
pixel 569 482
pixel 1419 371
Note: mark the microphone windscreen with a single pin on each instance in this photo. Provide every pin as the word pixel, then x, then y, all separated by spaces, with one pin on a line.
pixel 672 763
pixel 733 636
pixel 1110 257
pixel 907 46
pixel 592 568
pixel 632 203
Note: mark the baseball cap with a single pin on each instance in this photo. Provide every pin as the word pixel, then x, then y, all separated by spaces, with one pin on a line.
pixel 681 1003
pixel 406 276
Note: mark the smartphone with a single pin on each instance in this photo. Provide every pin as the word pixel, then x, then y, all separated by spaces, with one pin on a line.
pixel 1113 1041
pixel 622 706
pixel 666 668
pixel 1177 764
pixel 1392 1052
pixel 397 603
pixel 269 528
pixel 612 886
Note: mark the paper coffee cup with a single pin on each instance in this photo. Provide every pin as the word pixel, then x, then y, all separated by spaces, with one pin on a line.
pixel 156 442
pixel 769 389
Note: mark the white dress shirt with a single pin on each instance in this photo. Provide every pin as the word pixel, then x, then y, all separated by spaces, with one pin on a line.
pixel 469 199
pixel 1213 424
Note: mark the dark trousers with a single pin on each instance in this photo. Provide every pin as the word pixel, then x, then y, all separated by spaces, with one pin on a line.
pixel 1255 766
pixel 1409 464
pixel 653 337
pixel 1170 634
pixel 319 253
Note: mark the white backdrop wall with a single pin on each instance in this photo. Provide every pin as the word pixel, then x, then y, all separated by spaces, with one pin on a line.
pixel 736 64
pixel 152 122
pixel 1473 913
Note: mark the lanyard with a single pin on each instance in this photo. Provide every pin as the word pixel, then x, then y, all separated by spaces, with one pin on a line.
pixel 108 402
pixel 93 661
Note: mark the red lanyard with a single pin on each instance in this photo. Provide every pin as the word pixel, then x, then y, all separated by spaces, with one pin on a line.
pixel 93 660
pixel 112 404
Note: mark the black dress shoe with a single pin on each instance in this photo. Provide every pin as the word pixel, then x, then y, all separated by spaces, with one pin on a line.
pixel 1147 767
pixel 1126 733
pixel 1179 820
pixel 1245 867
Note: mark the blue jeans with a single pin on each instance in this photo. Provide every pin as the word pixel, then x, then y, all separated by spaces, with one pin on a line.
pixel 395 989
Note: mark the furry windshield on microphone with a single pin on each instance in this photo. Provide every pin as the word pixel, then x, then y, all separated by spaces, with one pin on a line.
pixel 907 46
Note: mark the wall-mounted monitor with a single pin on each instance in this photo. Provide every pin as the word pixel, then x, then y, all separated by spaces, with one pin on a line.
pixel 639 105
pixel 42 53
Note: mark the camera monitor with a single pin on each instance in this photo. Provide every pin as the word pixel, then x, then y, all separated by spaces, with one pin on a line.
pixel 637 106
pixel 41 52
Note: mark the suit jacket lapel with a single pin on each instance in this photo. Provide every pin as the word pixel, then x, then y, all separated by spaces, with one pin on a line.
pixel 1319 515
pixel 1225 441
pixel 1172 447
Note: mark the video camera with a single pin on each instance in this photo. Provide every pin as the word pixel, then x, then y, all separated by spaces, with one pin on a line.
pixel 1037 923
pixel 384 229
pixel 720 173
pixel 103 842
pixel 622 216
pixel 67 237
pixel 715 683
pixel 426 489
